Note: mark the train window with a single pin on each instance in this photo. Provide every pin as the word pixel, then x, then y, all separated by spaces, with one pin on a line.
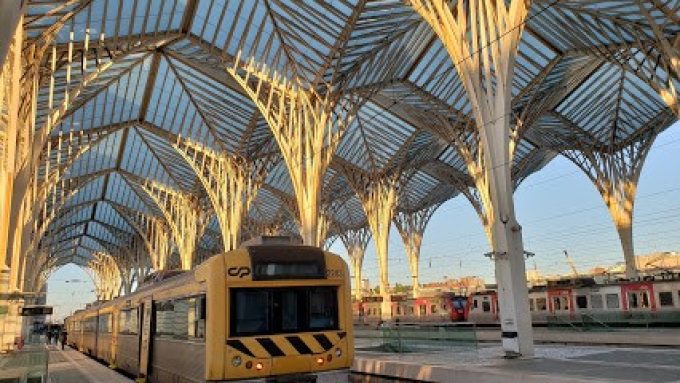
pixel 665 298
pixel 596 301
pixel 474 303
pixel 422 309
pixel 582 301
pixel 411 310
pixel 196 317
pixel 251 311
pixel 283 310
pixel 541 304
pixel 433 309
pixel 164 315
pixel 90 325
pixel 486 306
pixel 104 324
pixel 323 307
pixel 532 304
pixel 128 322
pixel 181 318
pixel 612 301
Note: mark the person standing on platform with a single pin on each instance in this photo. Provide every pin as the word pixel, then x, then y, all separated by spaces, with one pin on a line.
pixel 64 337
pixel 48 332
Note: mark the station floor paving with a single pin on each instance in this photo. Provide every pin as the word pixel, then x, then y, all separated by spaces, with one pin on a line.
pixel 553 363
pixel 481 364
pixel 70 366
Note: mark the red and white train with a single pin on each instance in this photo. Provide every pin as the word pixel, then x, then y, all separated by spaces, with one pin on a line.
pixel 578 301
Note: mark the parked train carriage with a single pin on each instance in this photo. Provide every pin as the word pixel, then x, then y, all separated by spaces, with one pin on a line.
pixel 249 314
pixel 624 303
pixel 424 309
pixel 74 330
pixel 483 308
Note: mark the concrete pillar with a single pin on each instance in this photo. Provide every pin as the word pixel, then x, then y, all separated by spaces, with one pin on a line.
pixel 482 38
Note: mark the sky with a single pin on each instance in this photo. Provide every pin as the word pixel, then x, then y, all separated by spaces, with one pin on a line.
pixel 558 207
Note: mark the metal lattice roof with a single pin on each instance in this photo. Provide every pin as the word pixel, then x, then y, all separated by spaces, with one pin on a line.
pixel 149 72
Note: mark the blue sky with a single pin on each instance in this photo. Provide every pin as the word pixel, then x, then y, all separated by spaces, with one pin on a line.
pixel 558 207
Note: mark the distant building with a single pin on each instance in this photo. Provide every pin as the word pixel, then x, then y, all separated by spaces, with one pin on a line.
pixel 653 263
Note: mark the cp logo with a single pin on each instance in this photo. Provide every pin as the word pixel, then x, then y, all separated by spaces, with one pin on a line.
pixel 238 271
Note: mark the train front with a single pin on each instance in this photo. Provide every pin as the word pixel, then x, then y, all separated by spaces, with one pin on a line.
pixel 288 315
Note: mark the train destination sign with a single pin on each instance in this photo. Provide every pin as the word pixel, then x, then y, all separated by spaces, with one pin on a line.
pixel 30 311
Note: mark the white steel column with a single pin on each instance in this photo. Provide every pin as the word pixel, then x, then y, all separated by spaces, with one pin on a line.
pixel 231 182
pixel 615 173
pixel 105 274
pixel 355 242
pixel 481 37
pixel 379 197
pixel 185 216
pixel 307 129
pixel 411 226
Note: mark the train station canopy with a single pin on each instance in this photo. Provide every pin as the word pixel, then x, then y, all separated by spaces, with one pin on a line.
pixel 151 89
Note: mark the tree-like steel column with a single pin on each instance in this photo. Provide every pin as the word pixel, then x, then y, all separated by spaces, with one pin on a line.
pixel 38 270
pixel 411 226
pixel 105 274
pixel 379 196
pixel 615 173
pixel 153 231
pixel 184 214
pixel 481 38
pixel 306 127
pixel 10 126
pixel 231 182
pixel 355 242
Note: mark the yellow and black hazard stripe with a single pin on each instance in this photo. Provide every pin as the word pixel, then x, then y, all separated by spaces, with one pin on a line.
pixel 288 345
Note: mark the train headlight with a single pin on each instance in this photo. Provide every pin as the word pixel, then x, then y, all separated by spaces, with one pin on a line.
pixel 258 366
pixel 320 361
pixel 338 352
pixel 236 361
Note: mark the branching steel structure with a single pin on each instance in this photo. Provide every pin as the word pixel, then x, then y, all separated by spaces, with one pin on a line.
pixel 124 124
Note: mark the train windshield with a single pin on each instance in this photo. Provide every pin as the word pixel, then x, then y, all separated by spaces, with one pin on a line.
pixel 261 311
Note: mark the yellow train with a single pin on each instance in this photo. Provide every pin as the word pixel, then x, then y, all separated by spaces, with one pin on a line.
pixel 276 313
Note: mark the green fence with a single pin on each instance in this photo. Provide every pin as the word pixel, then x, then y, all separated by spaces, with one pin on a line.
pixel 412 337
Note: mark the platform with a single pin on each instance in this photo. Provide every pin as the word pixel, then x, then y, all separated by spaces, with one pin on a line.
pixel 70 366
pixel 483 364
pixel 553 363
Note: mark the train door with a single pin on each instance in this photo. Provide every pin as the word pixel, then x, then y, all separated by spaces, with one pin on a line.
pixel 145 338
pixel 638 297
pixel 113 330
